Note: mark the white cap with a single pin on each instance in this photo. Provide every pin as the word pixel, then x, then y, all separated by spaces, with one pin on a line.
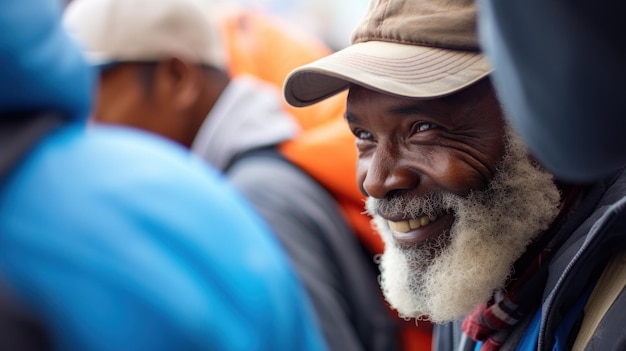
pixel 145 30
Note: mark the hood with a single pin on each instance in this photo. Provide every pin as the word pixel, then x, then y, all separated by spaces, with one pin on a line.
pixel 41 68
pixel 249 114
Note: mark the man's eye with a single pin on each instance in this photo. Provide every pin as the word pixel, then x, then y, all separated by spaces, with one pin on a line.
pixel 362 134
pixel 423 126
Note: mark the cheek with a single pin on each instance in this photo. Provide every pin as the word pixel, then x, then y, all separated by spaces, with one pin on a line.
pixel 361 173
pixel 102 111
pixel 456 173
pixel 117 105
pixel 460 179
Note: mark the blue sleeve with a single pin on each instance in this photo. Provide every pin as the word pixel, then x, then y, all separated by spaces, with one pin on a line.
pixel 41 69
pixel 126 243
pixel 559 69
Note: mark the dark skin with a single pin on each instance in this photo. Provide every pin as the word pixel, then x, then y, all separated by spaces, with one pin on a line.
pixel 170 97
pixel 416 147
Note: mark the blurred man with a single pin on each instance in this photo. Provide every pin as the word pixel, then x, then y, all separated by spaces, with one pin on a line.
pixel 163 69
pixel 473 228
pixel 117 240
pixel 261 45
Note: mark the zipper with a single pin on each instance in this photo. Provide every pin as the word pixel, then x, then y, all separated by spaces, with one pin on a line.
pixel 593 233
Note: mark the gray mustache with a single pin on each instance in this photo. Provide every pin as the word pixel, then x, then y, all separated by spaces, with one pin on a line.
pixel 406 206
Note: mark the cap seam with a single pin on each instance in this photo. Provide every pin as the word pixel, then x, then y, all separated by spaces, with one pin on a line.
pixel 382 19
pixel 369 37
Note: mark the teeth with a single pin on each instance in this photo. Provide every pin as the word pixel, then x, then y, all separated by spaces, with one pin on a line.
pixel 405 226
pixel 401 227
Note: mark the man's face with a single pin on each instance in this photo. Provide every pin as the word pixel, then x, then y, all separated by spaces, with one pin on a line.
pixel 126 96
pixel 452 193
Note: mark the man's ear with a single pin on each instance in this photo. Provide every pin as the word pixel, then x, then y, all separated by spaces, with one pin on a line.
pixel 180 80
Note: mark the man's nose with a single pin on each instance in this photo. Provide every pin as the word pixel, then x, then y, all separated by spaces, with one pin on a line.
pixel 387 173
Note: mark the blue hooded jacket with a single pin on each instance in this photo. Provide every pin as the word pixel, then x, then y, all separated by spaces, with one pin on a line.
pixel 120 240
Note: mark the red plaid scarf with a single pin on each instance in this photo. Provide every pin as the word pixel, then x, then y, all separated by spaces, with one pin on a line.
pixel 492 321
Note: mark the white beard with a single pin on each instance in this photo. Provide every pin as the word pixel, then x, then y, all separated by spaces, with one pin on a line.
pixel 446 279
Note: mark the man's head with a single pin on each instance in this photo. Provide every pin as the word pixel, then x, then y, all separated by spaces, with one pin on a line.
pixel 161 62
pixel 451 189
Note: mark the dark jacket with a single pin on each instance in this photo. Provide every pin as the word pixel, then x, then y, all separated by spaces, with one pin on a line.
pixel 598 231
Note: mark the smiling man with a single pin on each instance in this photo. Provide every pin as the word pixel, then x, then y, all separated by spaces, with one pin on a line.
pixel 454 201
pixel 475 230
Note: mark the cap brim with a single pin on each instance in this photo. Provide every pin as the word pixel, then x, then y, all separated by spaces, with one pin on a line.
pixel 98 59
pixel 104 63
pixel 398 69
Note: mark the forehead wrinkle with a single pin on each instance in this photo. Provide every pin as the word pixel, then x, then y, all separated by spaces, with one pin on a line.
pixel 436 110
pixel 408 110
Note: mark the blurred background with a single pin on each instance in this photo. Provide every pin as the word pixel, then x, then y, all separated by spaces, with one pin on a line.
pixel 331 20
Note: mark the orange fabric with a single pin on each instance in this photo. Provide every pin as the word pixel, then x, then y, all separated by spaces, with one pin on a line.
pixel 263 46
pixel 327 152
pixel 416 337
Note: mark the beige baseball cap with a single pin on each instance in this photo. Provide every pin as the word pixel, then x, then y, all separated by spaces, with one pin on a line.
pixel 412 48
pixel 113 31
